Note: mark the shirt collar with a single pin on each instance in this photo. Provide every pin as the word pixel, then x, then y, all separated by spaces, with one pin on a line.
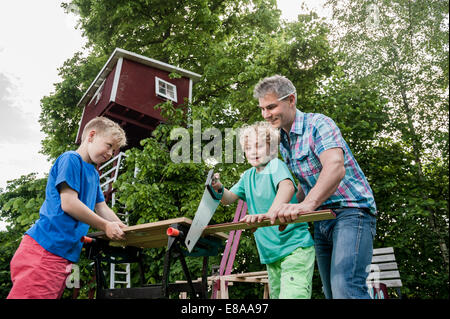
pixel 297 125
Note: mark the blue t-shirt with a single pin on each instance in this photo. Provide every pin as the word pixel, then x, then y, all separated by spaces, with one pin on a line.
pixel 55 230
pixel 259 191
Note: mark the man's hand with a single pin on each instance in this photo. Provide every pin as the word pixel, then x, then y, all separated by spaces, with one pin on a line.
pixel 287 213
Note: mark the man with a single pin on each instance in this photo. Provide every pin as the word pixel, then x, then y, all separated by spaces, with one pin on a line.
pixel 314 150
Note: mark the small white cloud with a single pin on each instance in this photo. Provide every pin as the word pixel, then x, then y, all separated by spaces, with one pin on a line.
pixel 16 125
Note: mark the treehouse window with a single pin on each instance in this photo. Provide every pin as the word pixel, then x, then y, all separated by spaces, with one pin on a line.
pixel 165 89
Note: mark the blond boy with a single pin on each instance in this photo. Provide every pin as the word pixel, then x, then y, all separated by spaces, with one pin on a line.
pixel 288 252
pixel 43 260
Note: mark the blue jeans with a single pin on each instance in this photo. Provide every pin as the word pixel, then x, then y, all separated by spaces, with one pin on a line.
pixel 344 252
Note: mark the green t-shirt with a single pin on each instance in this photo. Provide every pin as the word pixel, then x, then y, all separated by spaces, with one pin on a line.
pixel 259 191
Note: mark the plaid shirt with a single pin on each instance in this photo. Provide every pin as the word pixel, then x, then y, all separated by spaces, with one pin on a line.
pixel 310 135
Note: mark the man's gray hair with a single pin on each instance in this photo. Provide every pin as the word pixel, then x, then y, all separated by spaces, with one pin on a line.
pixel 277 84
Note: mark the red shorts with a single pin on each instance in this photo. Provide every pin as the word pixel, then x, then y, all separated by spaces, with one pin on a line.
pixel 37 273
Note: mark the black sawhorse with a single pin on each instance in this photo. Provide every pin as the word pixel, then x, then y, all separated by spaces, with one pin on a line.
pixel 100 251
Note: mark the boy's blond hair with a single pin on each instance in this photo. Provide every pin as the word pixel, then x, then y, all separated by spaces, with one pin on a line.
pixel 260 129
pixel 102 126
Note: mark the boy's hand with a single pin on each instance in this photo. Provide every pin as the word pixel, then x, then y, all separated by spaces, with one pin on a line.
pixel 121 224
pixel 114 230
pixel 253 219
pixel 215 183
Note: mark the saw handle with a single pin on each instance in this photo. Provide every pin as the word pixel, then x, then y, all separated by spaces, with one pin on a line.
pixel 215 195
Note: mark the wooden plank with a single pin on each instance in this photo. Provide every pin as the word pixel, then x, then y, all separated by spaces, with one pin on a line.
pixel 382 258
pixel 248 279
pixel 394 283
pixel 252 274
pixel 162 224
pixel 394 274
pixel 383 251
pixel 233 278
pixel 153 235
pixel 383 266
pixel 305 217
pixel 223 290
pixel 150 235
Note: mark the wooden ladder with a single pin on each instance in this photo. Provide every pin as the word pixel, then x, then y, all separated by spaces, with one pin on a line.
pixel 229 254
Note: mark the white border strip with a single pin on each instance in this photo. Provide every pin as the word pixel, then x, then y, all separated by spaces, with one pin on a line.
pixel 116 80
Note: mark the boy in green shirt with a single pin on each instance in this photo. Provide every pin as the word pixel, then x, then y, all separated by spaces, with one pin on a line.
pixel 288 251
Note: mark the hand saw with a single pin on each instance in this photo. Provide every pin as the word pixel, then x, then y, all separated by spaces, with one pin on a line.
pixel 205 211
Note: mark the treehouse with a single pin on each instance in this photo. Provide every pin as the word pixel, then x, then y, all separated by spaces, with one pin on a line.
pixel 127 89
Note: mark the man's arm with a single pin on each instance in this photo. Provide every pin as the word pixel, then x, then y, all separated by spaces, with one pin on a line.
pixel 78 210
pixel 333 171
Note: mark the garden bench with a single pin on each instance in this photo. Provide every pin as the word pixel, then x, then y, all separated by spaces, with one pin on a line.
pixel 384 272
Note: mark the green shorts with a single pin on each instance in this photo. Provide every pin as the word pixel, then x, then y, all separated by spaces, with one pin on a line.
pixel 291 276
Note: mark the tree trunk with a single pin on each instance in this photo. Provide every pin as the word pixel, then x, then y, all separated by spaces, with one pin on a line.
pixel 416 150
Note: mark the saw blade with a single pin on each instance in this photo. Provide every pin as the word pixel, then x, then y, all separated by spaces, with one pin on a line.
pixel 203 215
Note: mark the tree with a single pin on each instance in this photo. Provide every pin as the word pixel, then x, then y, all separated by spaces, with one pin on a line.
pixel 19 208
pixel 401 48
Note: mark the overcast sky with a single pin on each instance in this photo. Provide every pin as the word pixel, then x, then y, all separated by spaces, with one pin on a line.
pixel 36 37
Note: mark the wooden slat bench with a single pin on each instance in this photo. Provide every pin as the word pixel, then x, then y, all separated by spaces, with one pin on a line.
pixel 384 269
